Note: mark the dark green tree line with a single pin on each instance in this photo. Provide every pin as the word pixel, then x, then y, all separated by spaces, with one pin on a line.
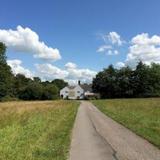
pixel 20 87
pixel 144 81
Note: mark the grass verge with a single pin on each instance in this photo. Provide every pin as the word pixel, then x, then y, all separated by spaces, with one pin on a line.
pixel 36 130
pixel 140 115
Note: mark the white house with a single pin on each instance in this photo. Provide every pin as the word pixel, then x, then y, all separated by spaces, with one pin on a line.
pixel 80 91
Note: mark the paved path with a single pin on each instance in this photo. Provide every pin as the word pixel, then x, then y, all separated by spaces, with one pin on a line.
pixel 97 137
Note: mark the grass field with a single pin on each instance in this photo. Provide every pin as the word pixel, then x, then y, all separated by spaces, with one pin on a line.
pixel 36 130
pixel 140 115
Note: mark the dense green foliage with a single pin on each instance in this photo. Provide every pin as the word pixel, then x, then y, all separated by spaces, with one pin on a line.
pixel 59 83
pixel 36 130
pixel 140 115
pixel 6 76
pixel 20 87
pixel 144 81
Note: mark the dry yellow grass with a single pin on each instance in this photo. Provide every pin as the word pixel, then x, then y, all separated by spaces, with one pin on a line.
pixel 36 130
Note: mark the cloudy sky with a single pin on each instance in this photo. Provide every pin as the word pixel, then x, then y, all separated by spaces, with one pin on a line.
pixel 75 39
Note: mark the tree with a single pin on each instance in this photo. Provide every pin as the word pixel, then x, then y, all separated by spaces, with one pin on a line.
pixel 50 92
pixel 20 83
pixel 25 88
pixel 144 81
pixel 32 91
pixel 105 82
pixel 60 83
pixel 140 81
pixel 123 80
pixel 2 53
pixel 6 76
pixel 37 79
pixel 154 80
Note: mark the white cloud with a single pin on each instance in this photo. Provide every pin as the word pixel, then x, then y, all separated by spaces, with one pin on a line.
pixel 49 72
pixel 112 52
pixel 144 48
pixel 114 38
pixel 26 40
pixel 120 65
pixel 70 65
pixel 71 73
pixel 109 52
pixel 104 48
pixel 116 52
pixel 112 43
pixel 16 66
pixel 85 75
pixel 144 39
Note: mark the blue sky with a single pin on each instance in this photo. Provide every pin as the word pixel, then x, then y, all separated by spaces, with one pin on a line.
pixel 78 29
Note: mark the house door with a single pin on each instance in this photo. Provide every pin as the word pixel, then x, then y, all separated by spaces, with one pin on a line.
pixel 71 93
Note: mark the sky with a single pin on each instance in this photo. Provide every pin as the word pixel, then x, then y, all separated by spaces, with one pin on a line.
pixel 75 39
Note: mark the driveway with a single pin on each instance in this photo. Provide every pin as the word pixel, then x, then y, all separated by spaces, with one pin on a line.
pixel 97 137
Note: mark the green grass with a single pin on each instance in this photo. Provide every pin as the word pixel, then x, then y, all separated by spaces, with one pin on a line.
pixel 140 115
pixel 36 130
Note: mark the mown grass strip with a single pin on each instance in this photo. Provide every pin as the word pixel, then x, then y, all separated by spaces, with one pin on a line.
pixel 140 115
pixel 36 130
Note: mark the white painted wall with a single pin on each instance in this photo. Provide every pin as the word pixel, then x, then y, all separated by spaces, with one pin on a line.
pixel 64 92
pixel 79 93
pixel 75 93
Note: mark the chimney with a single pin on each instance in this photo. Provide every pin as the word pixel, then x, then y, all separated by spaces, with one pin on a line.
pixel 79 82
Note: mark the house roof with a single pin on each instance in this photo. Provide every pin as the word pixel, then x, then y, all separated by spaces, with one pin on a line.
pixel 71 87
pixel 86 87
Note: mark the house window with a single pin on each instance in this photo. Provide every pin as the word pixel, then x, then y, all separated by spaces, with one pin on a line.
pixel 66 91
pixel 78 91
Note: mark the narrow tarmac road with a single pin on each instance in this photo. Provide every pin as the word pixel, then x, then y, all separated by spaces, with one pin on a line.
pixel 97 137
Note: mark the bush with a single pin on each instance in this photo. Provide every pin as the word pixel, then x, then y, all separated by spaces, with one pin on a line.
pixel 8 98
pixel 50 92
pixel 32 92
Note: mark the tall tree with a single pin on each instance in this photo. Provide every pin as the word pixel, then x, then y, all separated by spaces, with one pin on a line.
pixel 140 81
pixel 144 81
pixel 33 91
pixel 6 77
pixel 60 83
pixel 105 82
pixel 123 80
pixel 50 92
pixel 20 83
pixel 2 53
pixel 154 80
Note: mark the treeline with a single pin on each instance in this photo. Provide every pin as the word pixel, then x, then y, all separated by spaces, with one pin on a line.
pixel 143 81
pixel 19 87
